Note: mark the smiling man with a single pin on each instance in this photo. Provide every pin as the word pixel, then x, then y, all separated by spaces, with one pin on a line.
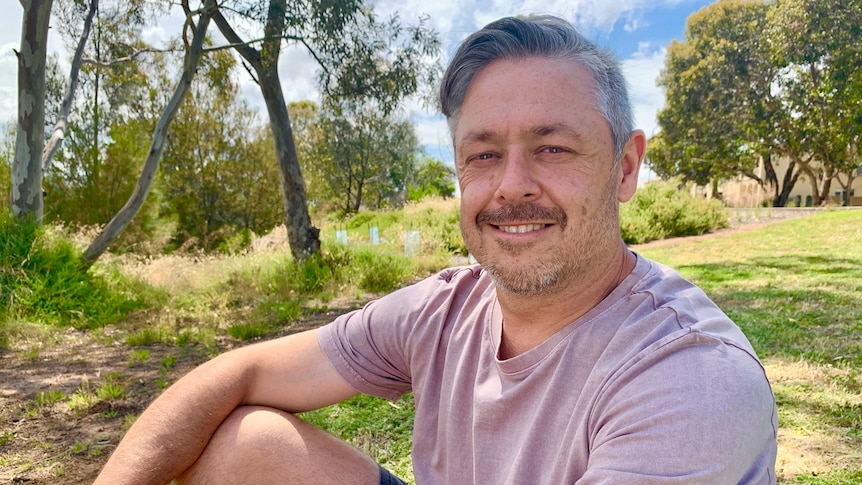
pixel 563 357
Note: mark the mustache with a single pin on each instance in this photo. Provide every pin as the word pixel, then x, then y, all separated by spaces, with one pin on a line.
pixel 521 213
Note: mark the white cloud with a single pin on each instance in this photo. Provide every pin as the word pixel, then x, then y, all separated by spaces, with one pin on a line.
pixel 641 71
pixel 8 82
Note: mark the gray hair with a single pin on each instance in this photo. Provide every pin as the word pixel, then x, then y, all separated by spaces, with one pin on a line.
pixel 514 38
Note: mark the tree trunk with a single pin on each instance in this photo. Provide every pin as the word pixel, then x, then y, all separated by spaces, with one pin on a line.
pixel 30 139
pixel 304 238
pixel 139 195
pixel 790 177
pixel 59 131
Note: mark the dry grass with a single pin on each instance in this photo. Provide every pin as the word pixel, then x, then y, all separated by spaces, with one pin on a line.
pixel 807 443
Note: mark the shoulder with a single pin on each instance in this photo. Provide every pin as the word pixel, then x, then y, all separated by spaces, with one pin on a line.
pixel 691 404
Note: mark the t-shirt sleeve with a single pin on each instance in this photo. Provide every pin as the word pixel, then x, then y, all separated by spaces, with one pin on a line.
pixel 693 409
pixel 372 347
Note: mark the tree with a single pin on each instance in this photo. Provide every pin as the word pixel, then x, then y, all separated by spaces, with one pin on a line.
pixel 719 108
pixel 356 55
pixel 192 58
pixel 819 80
pixel 26 196
pixel 758 79
pixel 217 165
pixel 105 137
pixel 432 178
pixel 369 155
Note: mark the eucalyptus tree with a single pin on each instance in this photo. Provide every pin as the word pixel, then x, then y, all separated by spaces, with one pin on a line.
pixel 105 132
pixel 356 54
pixel 217 166
pixel 369 154
pixel 195 26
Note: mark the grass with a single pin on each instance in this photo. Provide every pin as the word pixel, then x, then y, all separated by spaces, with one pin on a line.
pixel 795 288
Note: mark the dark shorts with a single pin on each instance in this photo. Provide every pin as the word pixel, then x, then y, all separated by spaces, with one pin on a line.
pixel 387 478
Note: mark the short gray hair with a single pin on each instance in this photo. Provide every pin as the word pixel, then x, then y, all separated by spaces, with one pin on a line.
pixel 514 38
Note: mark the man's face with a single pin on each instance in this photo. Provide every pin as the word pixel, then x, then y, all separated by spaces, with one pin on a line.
pixel 539 186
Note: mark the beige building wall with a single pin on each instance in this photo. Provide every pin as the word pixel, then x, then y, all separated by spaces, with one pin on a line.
pixel 744 192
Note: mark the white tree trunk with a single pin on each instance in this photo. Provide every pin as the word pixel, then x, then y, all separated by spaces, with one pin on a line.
pixel 59 131
pixel 30 139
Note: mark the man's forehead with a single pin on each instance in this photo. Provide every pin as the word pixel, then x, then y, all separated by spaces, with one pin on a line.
pixel 483 134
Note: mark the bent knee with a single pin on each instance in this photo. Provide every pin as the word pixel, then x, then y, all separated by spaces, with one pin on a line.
pixel 276 447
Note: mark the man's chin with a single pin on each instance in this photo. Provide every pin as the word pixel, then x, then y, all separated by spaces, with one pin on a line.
pixel 526 282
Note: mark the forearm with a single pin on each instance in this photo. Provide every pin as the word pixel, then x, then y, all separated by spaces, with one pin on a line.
pixel 170 435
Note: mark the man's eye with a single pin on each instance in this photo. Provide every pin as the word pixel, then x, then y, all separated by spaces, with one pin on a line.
pixel 482 156
pixel 554 150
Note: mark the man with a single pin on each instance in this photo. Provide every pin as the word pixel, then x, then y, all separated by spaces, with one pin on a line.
pixel 563 358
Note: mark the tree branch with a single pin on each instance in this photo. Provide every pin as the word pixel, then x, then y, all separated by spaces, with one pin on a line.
pixel 119 60
pixel 59 131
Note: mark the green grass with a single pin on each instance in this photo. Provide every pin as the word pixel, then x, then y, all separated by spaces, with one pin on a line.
pixel 795 289
pixel 380 428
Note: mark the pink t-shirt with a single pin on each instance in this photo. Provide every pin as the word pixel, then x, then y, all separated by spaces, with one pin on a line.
pixel 653 385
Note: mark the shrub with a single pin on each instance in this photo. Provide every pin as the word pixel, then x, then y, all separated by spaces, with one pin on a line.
pixel 662 209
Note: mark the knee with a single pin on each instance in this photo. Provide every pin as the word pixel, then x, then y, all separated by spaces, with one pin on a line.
pixel 251 438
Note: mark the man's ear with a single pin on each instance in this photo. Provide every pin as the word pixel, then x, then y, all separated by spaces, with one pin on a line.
pixel 630 165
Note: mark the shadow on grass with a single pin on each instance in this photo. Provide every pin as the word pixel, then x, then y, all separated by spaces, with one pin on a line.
pixel 806 306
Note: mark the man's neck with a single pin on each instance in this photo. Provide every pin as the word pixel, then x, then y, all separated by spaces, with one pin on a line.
pixel 530 320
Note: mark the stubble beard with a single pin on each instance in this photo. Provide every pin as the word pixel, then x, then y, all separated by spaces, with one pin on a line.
pixel 549 273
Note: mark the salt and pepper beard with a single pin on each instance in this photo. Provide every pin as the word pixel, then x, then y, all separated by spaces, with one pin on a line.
pixel 566 263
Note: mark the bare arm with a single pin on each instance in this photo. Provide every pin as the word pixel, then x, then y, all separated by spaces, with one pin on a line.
pixel 290 374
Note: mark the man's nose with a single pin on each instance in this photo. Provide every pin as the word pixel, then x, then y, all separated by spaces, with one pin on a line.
pixel 517 183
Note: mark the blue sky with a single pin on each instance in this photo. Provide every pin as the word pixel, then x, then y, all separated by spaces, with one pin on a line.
pixel 639 31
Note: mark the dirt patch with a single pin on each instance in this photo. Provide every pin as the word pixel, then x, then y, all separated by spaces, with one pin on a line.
pixel 55 427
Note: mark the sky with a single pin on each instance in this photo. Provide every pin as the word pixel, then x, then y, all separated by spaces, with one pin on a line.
pixel 638 31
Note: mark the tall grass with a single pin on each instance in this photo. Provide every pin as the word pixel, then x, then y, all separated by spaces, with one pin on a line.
pixel 41 280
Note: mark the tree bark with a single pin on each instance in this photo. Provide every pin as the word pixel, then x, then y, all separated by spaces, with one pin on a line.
pixel 139 195
pixel 30 139
pixel 304 238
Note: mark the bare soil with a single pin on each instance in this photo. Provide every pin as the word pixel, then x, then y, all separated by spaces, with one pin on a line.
pixel 44 442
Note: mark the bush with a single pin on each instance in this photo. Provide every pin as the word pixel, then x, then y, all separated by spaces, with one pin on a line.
pixel 662 209
pixel 42 279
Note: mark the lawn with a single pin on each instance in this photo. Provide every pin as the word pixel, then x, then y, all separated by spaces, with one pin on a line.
pixel 795 289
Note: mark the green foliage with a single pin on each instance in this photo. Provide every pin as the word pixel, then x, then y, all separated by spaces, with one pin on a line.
pixel 146 336
pixel 742 87
pixel 432 178
pixel 41 279
pixel 379 272
pixel 7 153
pixel 48 398
pixel 662 209
pixel 249 331
pixel 368 154
pixel 220 179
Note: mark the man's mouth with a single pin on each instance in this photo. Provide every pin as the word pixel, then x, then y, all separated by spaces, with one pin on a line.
pixel 522 228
